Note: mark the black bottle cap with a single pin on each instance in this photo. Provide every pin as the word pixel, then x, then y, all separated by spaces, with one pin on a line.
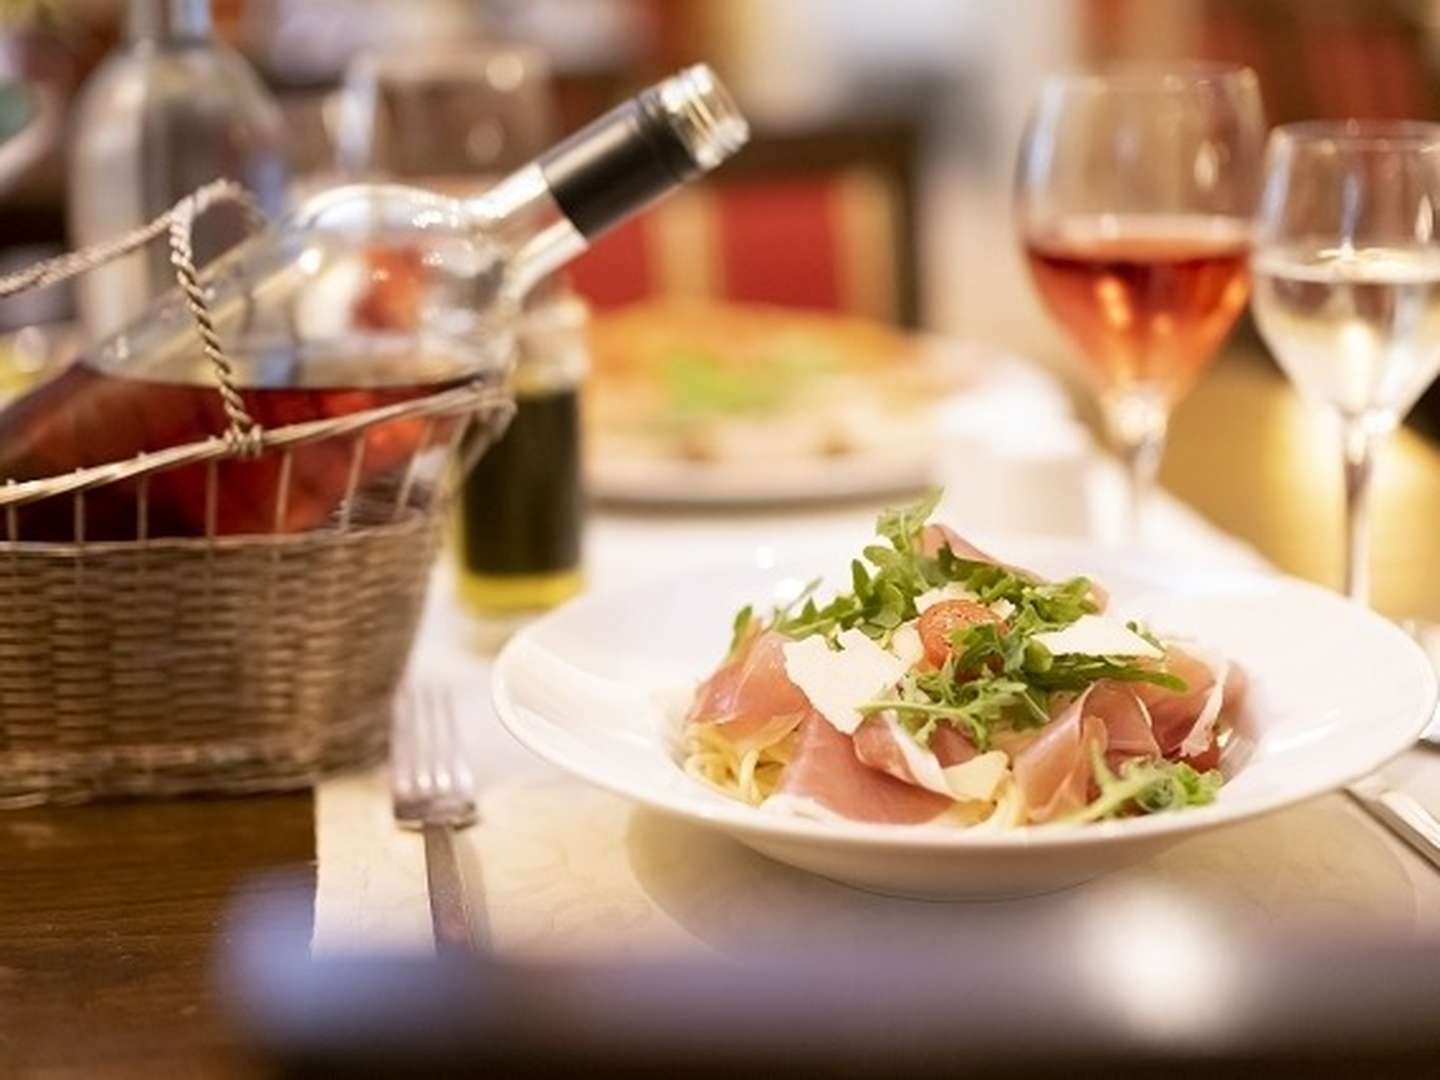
pixel 635 153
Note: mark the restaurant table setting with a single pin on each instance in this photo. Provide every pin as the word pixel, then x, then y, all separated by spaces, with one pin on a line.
pixel 1143 261
pixel 318 518
pixel 555 866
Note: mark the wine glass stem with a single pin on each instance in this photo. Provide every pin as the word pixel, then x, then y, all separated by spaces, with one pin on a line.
pixel 1359 468
pixel 1137 422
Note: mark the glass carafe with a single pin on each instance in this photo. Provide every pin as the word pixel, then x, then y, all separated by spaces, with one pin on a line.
pixel 366 295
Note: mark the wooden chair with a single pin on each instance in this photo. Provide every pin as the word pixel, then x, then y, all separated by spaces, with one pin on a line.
pixel 820 219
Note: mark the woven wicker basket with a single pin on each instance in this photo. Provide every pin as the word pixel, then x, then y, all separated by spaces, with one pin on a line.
pixel 217 663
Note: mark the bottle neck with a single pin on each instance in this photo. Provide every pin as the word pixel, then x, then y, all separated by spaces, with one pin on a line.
pixel 549 211
pixel 522 213
pixel 170 21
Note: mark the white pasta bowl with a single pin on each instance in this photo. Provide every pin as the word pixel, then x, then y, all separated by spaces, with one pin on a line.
pixel 1335 691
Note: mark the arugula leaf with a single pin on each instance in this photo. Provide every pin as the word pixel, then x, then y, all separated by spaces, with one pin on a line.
pixel 1139 629
pixel 974 716
pixel 883 593
pixel 805 595
pixel 740 629
pixel 1077 671
pixel 1152 787
pixel 974 706
pixel 840 614
pixel 975 646
pixel 1179 786
pixel 902 526
pixel 859 578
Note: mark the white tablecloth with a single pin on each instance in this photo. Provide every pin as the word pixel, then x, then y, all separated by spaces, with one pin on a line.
pixel 555 866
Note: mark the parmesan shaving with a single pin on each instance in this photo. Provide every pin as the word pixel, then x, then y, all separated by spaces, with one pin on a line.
pixel 979 778
pixel 838 682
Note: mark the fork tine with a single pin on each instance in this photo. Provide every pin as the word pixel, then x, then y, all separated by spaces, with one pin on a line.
pixel 440 754
pixel 443 739
pixel 402 744
pixel 459 756
pixel 425 750
pixel 430 772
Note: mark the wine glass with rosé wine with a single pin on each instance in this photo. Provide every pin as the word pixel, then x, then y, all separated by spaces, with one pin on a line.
pixel 1134 196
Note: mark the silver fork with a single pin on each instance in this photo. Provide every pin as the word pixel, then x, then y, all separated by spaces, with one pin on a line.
pixel 434 792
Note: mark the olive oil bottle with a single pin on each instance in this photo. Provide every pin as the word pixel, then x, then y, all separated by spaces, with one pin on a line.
pixel 522 505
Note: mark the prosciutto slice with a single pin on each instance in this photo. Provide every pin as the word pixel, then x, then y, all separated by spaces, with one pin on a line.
pixel 877 744
pixel 1128 727
pixel 1053 773
pixel 826 771
pixel 1184 721
pixel 935 537
pixel 751 696
pixel 950 747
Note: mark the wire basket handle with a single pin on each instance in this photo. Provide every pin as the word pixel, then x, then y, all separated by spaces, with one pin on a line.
pixel 242 433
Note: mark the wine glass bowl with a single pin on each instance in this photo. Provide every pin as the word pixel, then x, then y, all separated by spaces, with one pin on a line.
pixel 1347 283
pixel 1347 264
pixel 1133 197
pixel 448 118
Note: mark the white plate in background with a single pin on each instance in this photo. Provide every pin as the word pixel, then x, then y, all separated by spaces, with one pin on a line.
pixel 906 457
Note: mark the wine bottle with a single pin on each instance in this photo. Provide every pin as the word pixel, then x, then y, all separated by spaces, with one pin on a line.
pixel 367 294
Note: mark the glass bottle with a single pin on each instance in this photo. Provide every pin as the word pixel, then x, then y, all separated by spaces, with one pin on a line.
pixel 444 118
pixel 367 294
pixel 522 505
pixel 171 109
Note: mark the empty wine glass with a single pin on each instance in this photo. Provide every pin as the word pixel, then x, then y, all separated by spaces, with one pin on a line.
pixel 452 119
pixel 1134 197
pixel 1347 284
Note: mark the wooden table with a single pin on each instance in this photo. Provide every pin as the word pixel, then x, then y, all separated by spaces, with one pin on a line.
pixel 109 915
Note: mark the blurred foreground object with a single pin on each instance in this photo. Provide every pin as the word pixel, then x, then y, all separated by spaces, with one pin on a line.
pixel 1154 990
pixel 170 110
